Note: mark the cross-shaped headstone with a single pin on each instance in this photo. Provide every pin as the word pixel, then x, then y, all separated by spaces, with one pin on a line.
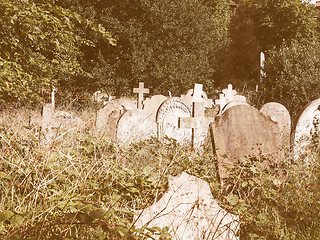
pixel 227 96
pixel 195 122
pixel 141 90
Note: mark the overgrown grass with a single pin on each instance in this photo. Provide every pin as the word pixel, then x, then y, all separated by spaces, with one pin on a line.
pixel 83 187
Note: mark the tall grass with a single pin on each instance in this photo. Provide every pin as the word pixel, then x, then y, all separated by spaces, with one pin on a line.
pixel 83 187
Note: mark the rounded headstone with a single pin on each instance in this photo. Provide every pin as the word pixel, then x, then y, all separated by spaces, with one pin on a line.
pixel 168 120
pixel 135 126
pixel 151 105
pixel 307 129
pixel 279 114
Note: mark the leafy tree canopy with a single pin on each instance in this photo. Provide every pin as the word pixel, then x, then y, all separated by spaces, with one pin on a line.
pixel 40 47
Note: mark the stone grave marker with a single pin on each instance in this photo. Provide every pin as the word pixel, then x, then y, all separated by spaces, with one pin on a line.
pixel 168 120
pixel 279 114
pixel 243 131
pixel 200 96
pixel 307 130
pixel 190 212
pixel 135 126
pixel 107 118
pixel 126 103
pixel 229 98
pixel 198 122
pixel 141 90
pixel 151 105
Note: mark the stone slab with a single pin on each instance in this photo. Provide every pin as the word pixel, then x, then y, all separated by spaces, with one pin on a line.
pixel 190 211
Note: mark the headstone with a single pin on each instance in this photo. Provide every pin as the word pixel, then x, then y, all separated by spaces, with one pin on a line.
pixel 100 97
pixel 227 96
pixel 198 122
pixel 168 120
pixel 200 96
pixel 141 90
pixel 307 131
pixel 135 126
pixel 244 131
pixel 190 211
pixel 151 105
pixel 107 119
pixel 279 114
pixel 126 103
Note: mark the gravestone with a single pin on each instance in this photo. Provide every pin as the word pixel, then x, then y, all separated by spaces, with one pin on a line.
pixel 107 119
pixel 190 212
pixel 307 130
pixel 168 120
pixel 279 114
pixel 128 104
pixel 151 105
pixel 243 131
pixel 229 98
pixel 198 122
pixel 141 90
pixel 135 126
pixel 200 96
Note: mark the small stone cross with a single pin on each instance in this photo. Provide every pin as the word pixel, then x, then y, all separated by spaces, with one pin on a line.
pixel 195 122
pixel 226 97
pixel 141 90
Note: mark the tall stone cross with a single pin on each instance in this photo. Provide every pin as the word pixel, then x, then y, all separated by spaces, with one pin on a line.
pixel 197 121
pixel 141 90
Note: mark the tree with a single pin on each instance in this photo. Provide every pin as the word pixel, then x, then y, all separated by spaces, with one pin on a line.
pixel 293 75
pixel 40 46
pixel 167 44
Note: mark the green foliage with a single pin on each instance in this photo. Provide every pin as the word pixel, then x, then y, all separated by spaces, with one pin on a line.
pixel 40 47
pixel 292 75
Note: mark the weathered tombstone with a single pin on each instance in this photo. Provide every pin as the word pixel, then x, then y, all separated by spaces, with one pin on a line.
pixel 244 131
pixel 198 122
pixel 135 126
pixel 279 114
pixel 190 212
pixel 229 98
pixel 200 96
pixel 107 119
pixel 151 105
pixel 168 120
pixel 100 97
pixel 141 90
pixel 307 131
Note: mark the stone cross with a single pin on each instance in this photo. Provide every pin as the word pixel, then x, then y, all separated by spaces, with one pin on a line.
pixel 194 122
pixel 141 90
pixel 228 96
pixel 52 98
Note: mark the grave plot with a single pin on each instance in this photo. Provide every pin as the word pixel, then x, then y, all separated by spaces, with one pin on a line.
pixel 244 131
pixel 307 131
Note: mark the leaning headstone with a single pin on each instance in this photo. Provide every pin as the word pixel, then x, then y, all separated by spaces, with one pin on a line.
pixel 140 91
pixel 190 212
pixel 168 120
pixel 151 105
pixel 107 119
pixel 135 126
pixel 307 131
pixel 229 98
pixel 279 114
pixel 244 131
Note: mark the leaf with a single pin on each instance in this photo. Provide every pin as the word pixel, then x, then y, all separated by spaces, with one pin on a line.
pixel 5 215
pixel 17 219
